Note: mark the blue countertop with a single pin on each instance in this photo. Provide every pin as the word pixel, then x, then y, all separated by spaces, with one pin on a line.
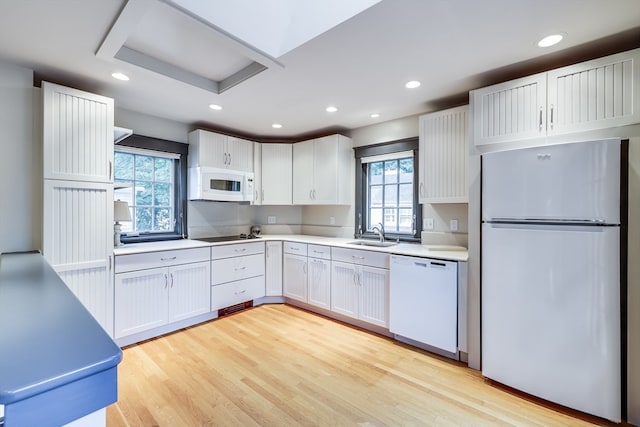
pixel 47 338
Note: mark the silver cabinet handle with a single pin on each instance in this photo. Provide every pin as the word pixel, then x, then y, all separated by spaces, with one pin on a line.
pixel 551 121
pixel 241 292
pixel 172 280
pixel 168 259
pixel 422 189
pixel 240 250
pixel 166 280
pixel 109 262
pixel 357 257
pixel 304 268
pixel 240 268
pixel 540 121
pixel 110 170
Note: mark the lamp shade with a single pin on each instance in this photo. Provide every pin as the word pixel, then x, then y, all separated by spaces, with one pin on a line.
pixel 121 211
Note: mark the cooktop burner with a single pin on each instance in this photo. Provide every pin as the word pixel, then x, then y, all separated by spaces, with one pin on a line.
pixel 217 239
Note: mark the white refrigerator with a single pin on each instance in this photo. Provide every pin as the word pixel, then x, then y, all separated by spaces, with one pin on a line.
pixel 550 275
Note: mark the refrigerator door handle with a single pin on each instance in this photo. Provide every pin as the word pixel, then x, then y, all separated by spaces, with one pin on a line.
pixel 550 221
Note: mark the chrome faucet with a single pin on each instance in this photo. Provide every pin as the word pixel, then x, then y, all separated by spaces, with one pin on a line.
pixel 379 230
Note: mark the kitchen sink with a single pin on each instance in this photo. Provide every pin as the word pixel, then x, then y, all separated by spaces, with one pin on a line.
pixel 372 243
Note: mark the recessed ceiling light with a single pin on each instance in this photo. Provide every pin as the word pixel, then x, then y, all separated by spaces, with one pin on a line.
pixel 331 109
pixel 412 84
pixel 550 40
pixel 215 107
pixel 276 126
pixel 120 76
pixel 375 115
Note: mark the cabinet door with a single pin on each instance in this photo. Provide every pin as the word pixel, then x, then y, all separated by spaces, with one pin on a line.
pixel 77 242
pixel 344 290
pixel 208 149
pixel 257 174
pixel 303 172
pixel 510 111
pixel 596 94
pixel 240 154
pixel 443 156
pixel 325 176
pixel 374 295
pixel 294 282
pixel 141 301
pixel 319 282
pixel 189 288
pixel 277 170
pixel 77 135
pixel 273 264
pixel 232 293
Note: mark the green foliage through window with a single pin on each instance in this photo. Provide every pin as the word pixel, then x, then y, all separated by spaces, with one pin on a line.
pixel 147 185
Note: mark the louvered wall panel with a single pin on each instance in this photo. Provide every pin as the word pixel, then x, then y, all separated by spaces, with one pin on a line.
pixel 344 294
pixel 77 135
pixel 374 296
pixel 189 291
pixel 149 288
pixel 445 143
pixel 92 287
pixel 594 94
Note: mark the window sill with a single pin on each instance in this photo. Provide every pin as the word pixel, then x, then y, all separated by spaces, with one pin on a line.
pixel 150 238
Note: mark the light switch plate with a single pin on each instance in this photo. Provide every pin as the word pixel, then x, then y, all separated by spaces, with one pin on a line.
pixel 453 225
pixel 428 223
pixel 271 219
pixel 332 220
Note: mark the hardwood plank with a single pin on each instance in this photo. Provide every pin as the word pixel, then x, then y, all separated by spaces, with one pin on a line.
pixel 277 365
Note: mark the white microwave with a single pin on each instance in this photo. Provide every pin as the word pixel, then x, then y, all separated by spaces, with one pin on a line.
pixel 220 185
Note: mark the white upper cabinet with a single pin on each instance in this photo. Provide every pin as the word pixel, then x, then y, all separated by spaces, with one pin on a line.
pixel 443 157
pixel 78 135
pixel 596 94
pixel 323 171
pixel 276 179
pixel 510 111
pixel 211 149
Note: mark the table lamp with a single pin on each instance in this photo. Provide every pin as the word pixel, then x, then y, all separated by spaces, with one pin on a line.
pixel 120 213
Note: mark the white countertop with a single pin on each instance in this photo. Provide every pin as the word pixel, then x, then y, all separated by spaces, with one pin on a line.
pixel 445 252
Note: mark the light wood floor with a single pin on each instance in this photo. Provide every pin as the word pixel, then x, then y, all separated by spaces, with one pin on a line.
pixel 277 365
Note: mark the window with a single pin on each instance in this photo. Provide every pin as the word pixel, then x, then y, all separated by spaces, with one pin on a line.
pixel 150 175
pixel 385 190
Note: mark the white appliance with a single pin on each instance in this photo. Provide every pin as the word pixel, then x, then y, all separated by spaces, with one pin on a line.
pixel 221 185
pixel 423 301
pixel 551 241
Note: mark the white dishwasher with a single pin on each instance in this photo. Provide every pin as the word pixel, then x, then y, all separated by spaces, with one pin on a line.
pixel 423 301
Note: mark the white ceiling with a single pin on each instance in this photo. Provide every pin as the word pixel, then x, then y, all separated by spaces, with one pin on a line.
pixel 360 65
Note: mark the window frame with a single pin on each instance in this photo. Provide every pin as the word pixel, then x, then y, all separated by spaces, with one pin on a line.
pixel 180 191
pixel 361 182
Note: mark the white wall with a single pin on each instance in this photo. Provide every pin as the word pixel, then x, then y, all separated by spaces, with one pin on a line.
pixel 21 162
pixel 156 127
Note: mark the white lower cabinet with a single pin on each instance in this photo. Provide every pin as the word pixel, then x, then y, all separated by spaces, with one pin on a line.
pixel 145 299
pixel 237 274
pixel 319 282
pixel 358 290
pixel 294 278
pixel 273 268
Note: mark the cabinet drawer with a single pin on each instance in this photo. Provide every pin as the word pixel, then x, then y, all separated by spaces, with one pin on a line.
pixel 237 249
pixel 361 257
pixel 240 267
pixel 233 293
pixel 295 248
pixel 319 251
pixel 147 260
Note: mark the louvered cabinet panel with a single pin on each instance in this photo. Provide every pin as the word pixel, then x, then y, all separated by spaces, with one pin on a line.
pixel 509 111
pixel 77 134
pixel 207 149
pixel 319 282
pixel 294 280
pixel 277 170
pixel 596 94
pixel 374 295
pixel 240 153
pixel 189 290
pixel 273 268
pixel 93 287
pixel 344 293
pixel 443 156
pixel 141 301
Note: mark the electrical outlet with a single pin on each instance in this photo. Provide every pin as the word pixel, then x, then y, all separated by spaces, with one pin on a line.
pixel 428 223
pixel 332 220
pixel 271 219
pixel 453 225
